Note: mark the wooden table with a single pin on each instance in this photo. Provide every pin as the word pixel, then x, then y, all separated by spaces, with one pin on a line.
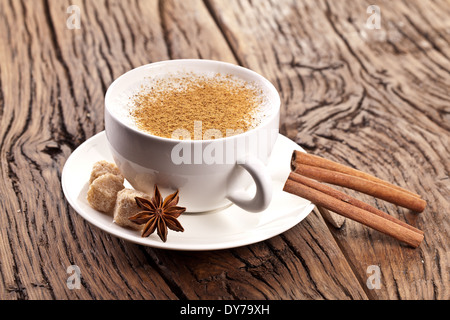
pixel 375 99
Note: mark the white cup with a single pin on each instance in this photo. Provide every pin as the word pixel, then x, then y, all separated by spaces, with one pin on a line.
pixel 210 174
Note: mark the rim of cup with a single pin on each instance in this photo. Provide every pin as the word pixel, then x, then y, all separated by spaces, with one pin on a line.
pixel 260 80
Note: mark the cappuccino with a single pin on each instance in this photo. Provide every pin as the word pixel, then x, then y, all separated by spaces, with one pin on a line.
pixel 196 106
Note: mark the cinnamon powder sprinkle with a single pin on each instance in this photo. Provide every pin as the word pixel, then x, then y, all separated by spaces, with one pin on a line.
pixel 220 102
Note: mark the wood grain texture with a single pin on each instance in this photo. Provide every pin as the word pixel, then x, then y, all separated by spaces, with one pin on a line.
pixel 376 100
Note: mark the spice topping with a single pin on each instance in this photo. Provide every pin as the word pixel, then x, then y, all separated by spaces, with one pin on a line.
pixel 223 103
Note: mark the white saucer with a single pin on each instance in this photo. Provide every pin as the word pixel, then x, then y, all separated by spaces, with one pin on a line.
pixel 223 229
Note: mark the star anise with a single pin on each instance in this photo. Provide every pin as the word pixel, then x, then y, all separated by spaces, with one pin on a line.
pixel 159 214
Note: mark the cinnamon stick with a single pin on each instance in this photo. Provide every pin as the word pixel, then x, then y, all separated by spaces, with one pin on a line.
pixel 369 187
pixel 299 157
pixel 348 199
pixel 353 212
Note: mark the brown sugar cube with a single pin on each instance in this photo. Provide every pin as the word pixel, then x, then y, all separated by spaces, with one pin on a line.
pixel 126 207
pixel 103 191
pixel 103 167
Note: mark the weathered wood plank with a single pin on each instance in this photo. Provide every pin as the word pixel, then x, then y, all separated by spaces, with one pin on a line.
pixel 303 263
pixel 373 99
pixel 251 284
pixel 62 75
pixel 52 82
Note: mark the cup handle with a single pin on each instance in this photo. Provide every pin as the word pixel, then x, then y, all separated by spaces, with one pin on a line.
pixel 263 182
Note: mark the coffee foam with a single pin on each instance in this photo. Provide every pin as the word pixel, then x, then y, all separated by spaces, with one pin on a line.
pixel 122 103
